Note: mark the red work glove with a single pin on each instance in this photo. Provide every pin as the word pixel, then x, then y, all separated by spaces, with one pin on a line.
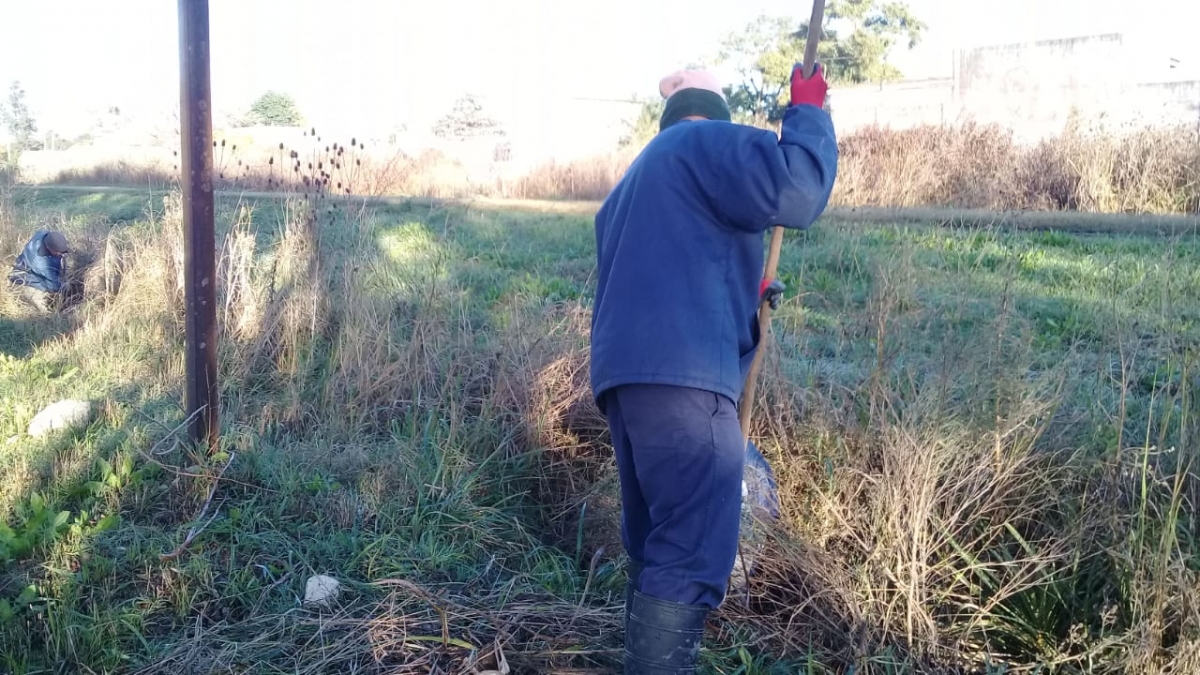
pixel 811 91
pixel 770 292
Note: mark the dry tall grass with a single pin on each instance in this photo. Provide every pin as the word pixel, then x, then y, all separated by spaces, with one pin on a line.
pixel 1147 171
pixel 968 166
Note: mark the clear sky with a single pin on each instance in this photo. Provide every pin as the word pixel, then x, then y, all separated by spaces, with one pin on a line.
pixel 381 62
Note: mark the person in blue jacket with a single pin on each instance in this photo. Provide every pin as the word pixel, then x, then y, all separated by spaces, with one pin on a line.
pixel 40 269
pixel 680 249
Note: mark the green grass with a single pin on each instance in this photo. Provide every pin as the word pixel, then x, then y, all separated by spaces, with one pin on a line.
pixel 983 439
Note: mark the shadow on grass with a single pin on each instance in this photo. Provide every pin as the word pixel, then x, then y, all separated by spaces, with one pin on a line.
pixel 21 336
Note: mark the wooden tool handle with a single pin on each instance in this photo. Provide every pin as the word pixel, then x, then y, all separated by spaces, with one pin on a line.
pixel 764 309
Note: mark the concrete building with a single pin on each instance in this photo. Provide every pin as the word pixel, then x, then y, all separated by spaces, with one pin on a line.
pixel 1035 88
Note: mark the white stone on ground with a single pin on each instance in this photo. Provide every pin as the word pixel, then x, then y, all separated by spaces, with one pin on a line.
pixel 65 414
pixel 320 590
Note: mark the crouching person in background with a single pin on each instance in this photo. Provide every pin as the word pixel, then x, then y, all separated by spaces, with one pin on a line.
pixel 680 247
pixel 39 273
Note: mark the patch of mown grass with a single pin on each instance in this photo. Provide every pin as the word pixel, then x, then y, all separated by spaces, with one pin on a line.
pixel 1076 298
pixel 983 440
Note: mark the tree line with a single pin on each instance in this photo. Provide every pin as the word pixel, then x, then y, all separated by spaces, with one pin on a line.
pixel 856 40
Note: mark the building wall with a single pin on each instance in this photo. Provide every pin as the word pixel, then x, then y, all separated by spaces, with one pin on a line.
pixel 1032 88
pixel 897 105
pixel 1170 102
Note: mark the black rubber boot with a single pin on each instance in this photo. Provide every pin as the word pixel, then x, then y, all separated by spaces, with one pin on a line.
pixel 662 638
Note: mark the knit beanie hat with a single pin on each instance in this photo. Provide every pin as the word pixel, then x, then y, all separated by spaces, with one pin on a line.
pixel 55 242
pixel 692 92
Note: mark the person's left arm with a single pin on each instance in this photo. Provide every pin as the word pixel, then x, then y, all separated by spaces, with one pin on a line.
pixel 763 180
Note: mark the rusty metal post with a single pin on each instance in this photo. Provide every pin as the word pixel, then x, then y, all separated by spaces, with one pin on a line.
pixel 195 114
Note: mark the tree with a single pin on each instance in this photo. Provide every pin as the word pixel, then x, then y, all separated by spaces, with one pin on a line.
pixel 18 120
pixel 862 56
pixel 467 120
pixel 643 129
pixel 764 52
pixel 275 109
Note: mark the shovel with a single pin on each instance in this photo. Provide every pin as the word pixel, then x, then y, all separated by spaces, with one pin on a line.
pixel 759 488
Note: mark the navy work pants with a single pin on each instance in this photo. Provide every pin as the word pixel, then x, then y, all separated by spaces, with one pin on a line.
pixel 680 454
